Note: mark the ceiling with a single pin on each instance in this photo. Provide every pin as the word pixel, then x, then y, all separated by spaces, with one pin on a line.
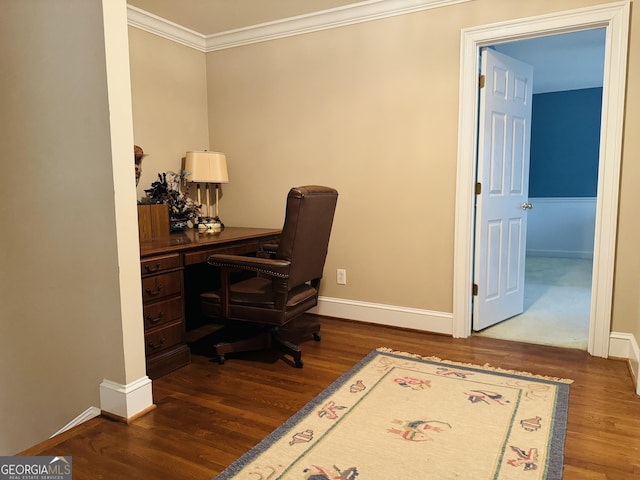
pixel 561 62
pixel 569 61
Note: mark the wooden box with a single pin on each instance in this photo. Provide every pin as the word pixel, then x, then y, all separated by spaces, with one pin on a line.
pixel 153 221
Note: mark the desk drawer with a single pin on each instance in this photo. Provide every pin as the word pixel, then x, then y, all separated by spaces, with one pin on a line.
pixel 158 264
pixel 160 286
pixel 202 255
pixel 163 338
pixel 159 313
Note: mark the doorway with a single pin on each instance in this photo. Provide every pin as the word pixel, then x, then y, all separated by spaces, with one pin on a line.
pixel 562 179
pixel 615 19
pixel 557 296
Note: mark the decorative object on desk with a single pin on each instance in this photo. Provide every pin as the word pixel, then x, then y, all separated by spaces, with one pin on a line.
pixel 399 415
pixel 178 225
pixel 182 209
pixel 138 155
pixel 153 221
pixel 208 168
pixel 209 226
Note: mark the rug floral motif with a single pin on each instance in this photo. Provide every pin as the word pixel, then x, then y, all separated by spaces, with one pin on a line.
pixel 396 415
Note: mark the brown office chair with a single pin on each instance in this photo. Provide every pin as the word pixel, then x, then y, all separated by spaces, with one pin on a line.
pixel 271 303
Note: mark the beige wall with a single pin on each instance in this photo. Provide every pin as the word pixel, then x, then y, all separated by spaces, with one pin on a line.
pixel 169 90
pixel 61 314
pixel 370 110
pixel 129 330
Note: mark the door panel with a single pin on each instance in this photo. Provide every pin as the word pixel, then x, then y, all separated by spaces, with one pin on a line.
pixel 497 154
pixel 494 237
pixel 514 256
pixel 503 172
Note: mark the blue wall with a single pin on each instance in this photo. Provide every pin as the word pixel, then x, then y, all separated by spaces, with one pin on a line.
pixel 565 141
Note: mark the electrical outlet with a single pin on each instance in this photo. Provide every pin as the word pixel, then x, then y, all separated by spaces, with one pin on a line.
pixel 341 276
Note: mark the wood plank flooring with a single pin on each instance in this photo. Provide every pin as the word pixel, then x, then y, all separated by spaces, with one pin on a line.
pixel 208 415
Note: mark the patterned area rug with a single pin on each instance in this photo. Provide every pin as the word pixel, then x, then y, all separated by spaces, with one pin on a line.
pixel 397 415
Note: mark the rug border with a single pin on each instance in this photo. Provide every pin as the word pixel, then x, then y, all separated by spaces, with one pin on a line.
pixel 558 435
pixel 487 367
pixel 554 466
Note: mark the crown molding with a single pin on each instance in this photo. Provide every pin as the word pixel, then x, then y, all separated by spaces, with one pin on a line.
pixel 151 23
pixel 360 12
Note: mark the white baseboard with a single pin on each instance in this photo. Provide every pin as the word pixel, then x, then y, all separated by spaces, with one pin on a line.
pixel 121 401
pixel 624 345
pixel 414 318
pixel 88 414
pixel 125 402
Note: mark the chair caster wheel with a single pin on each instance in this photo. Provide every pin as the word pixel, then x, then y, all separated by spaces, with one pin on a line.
pixel 299 364
pixel 317 337
pixel 221 359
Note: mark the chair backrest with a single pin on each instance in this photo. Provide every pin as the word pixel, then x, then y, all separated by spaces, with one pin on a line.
pixel 305 235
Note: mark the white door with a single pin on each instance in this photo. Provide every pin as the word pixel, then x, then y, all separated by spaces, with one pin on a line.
pixel 503 198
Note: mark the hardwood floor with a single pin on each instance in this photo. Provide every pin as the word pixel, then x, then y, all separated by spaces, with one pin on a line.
pixel 207 414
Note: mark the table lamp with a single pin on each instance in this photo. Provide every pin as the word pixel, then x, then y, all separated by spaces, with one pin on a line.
pixel 208 168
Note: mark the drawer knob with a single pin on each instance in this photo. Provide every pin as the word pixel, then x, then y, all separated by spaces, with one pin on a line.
pixel 152 293
pixel 156 319
pixel 152 269
pixel 157 345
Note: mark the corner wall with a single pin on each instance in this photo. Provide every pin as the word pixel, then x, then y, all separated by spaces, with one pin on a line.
pixel 169 97
pixel 64 323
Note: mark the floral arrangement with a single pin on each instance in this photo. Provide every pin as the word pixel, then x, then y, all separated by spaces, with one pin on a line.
pixel 167 190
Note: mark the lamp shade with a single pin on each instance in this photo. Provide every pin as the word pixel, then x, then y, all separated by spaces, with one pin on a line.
pixel 206 167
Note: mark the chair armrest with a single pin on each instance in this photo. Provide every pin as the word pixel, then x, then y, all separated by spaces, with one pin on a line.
pixel 273 267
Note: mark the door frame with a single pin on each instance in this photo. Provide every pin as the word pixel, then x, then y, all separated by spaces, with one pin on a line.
pixel 614 17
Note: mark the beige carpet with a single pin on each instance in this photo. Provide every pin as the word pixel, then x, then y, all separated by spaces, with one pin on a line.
pixel 556 301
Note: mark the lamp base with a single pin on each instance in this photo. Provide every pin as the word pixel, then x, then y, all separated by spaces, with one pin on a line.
pixel 216 221
pixel 210 225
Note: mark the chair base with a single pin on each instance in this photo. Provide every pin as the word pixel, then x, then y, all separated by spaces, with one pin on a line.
pixel 274 338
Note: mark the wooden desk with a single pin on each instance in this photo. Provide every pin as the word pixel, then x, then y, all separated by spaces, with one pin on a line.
pixel 165 263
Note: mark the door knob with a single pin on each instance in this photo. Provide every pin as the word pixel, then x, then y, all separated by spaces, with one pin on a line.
pixel 526 206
